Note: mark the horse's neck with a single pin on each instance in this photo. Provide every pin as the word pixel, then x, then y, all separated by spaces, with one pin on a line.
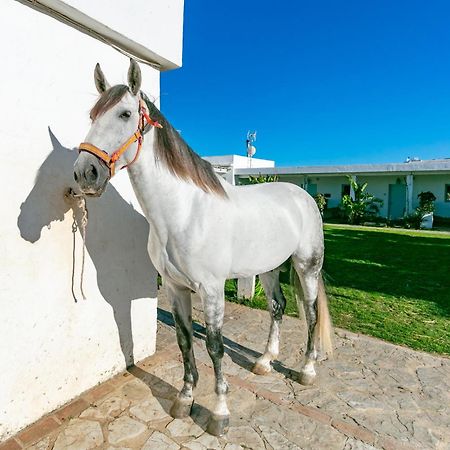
pixel 163 198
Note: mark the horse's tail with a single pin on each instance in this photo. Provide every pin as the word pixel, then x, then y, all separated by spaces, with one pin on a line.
pixel 324 328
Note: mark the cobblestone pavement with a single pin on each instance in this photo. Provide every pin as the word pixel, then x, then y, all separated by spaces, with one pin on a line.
pixel 371 395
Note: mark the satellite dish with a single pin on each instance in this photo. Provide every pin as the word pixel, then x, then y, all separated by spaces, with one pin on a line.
pixel 251 150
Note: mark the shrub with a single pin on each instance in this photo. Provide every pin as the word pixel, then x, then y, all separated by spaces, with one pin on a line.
pixel 412 220
pixel 321 202
pixel 364 206
pixel 262 179
pixel 426 203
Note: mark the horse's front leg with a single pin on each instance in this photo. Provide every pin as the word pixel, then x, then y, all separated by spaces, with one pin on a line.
pixel 213 306
pixel 182 314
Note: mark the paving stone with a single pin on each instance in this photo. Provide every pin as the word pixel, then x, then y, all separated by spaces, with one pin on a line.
pixel 99 392
pixel 135 391
pixel 159 441
pixel 277 440
pixel 108 409
pixel 353 444
pixel 125 429
pixel 375 422
pixel 79 435
pixel 308 434
pixel 151 409
pixel 73 409
pixel 193 446
pixel 233 447
pixel 184 427
pixel 241 402
pixel 361 400
pixel 431 380
pixel 205 441
pixel 41 445
pixel 38 430
pixel 245 436
pixel 118 448
pixel 10 444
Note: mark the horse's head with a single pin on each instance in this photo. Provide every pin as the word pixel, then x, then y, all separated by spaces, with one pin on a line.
pixel 114 138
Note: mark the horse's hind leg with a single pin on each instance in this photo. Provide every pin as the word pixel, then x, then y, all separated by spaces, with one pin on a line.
pixel 182 310
pixel 276 303
pixel 317 317
pixel 213 305
pixel 310 285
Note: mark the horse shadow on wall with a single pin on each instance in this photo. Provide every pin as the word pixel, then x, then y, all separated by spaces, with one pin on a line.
pixel 116 237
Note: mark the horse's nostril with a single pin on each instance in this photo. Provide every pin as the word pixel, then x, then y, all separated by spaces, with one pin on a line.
pixel 91 174
pixel 75 177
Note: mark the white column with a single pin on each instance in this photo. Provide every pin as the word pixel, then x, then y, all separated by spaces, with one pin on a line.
pixel 352 191
pixel 230 175
pixel 305 183
pixel 409 193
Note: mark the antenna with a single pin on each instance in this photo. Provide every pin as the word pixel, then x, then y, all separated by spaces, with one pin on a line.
pixel 251 149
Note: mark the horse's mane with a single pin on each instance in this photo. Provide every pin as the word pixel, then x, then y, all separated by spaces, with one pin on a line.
pixel 108 99
pixel 169 147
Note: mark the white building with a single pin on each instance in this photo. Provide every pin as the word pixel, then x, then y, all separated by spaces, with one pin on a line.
pixel 226 165
pixel 51 348
pixel 397 184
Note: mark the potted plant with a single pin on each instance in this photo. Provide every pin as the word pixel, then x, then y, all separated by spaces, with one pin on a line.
pixel 426 209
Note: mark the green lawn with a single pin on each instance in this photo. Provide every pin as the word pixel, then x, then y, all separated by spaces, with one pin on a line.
pixel 389 283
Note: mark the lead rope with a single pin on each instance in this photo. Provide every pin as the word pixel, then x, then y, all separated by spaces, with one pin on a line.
pixel 81 204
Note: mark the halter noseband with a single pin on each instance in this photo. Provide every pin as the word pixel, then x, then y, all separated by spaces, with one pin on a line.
pixel 110 160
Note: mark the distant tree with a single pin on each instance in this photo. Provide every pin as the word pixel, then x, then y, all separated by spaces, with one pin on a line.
pixel 362 206
pixel 262 179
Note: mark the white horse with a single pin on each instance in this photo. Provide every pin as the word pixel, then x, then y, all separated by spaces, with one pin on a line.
pixel 204 231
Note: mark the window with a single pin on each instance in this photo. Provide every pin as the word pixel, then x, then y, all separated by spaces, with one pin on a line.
pixel 345 190
pixel 447 193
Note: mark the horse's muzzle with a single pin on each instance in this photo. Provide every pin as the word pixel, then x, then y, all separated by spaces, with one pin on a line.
pixel 91 175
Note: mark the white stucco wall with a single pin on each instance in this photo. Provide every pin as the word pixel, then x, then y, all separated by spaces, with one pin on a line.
pixel 157 25
pixel 379 187
pixel 51 347
pixel 238 161
pixel 436 184
pixel 325 185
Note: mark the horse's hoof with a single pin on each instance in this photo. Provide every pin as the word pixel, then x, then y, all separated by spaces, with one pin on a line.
pixel 307 379
pixel 261 369
pixel 181 408
pixel 218 425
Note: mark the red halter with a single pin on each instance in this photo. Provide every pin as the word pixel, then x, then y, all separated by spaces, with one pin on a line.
pixel 110 160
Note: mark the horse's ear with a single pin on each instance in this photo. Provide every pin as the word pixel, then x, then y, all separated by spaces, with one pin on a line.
pixel 134 77
pixel 100 81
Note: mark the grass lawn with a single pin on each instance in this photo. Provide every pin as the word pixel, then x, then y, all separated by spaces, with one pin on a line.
pixel 389 283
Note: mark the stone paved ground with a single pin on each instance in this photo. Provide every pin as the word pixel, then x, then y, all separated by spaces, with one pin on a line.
pixel 371 395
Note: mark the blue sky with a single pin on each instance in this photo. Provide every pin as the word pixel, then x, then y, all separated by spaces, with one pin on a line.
pixel 322 82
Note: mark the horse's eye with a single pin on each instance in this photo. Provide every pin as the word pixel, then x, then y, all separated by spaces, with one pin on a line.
pixel 125 115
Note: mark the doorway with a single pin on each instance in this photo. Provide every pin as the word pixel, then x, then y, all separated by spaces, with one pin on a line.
pixel 397 201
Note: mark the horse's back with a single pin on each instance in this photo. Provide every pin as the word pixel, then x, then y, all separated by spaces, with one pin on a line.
pixel 272 221
pixel 277 199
